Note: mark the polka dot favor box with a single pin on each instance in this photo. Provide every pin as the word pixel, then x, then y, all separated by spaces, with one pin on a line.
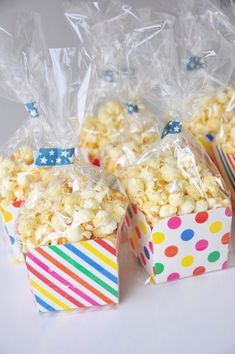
pixel 9 218
pixel 180 246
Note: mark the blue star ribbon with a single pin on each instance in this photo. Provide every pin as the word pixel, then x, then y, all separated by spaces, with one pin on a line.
pixel 195 63
pixel 172 127
pixel 32 109
pixel 108 75
pixel 54 156
pixel 131 108
pixel 210 137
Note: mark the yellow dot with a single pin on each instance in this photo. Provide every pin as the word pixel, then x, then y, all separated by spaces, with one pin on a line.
pixel 143 227
pixel 7 216
pixel 158 237
pixel 216 226
pixel 187 261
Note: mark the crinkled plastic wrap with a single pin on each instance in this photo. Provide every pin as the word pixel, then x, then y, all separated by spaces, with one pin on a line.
pixel 205 35
pixel 69 227
pixel 179 219
pixel 22 79
pixel 119 124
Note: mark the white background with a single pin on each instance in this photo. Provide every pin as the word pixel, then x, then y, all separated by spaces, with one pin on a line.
pixel 191 316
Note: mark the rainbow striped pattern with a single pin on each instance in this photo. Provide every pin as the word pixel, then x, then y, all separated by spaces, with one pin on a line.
pixel 226 165
pixel 72 276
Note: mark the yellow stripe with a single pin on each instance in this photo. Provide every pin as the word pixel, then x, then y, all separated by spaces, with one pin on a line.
pixel 99 254
pixel 49 296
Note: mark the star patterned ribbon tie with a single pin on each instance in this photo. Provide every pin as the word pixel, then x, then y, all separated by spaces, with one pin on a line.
pixel 172 127
pixel 131 108
pixel 108 75
pixel 195 63
pixel 32 109
pixel 54 156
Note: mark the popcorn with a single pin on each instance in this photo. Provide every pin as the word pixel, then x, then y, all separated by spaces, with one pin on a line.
pixel 184 184
pixel 116 137
pixel 17 174
pixel 226 137
pixel 207 119
pixel 59 213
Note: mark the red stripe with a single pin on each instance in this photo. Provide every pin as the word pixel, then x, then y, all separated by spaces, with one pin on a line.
pixel 231 162
pixel 53 286
pixel 106 246
pixel 74 276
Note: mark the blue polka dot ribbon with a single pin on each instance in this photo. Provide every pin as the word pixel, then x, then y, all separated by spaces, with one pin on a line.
pixel 32 109
pixel 54 157
pixel 172 127
pixel 131 108
pixel 195 63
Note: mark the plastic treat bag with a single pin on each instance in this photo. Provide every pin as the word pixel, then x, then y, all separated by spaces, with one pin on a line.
pixel 179 219
pixel 205 46
pixel 22 79
pixel 119 124
pixel 69 229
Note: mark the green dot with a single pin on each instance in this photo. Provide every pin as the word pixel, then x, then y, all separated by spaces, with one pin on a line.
pixel 213 256
pixel 159 268
pixel 129 212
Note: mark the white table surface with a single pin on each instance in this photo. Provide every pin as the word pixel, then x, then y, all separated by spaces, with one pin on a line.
pixel 190 316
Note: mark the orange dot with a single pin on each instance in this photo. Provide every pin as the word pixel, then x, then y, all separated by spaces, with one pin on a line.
pixel 226 238
pixel 171 251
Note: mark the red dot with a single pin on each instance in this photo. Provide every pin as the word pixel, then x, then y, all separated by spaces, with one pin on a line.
pixel 228 212
pixel 225 265
pixel 94 160
pixel 199 270
pixel 226 238
pixel 135 210
pixel 151 247
pixel 142 258
pixel 127 220
pixel 18 203
pixel 138 232
pixel 132 244
pixel 173 276
pixel 201 217
pixel 171 251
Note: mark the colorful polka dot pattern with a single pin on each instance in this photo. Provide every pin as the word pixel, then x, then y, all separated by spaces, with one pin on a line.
pixel 183 246
pixel 9 217
pixel 139 234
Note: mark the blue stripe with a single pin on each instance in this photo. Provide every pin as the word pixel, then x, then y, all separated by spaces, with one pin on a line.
pixel 92 263
pixel 44 304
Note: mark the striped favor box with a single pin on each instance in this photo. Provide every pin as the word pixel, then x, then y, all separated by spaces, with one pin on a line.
pixel 226 165
pixel 73 276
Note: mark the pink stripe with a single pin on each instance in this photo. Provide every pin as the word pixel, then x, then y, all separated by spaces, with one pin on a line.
pixel 62 280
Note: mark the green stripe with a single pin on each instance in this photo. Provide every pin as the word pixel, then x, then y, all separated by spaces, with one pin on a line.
pixel 84 270
pixel 129 212
pixel 226 164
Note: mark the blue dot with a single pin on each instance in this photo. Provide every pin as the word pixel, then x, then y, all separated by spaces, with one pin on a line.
pixel 187 234
pixel 12 239
pixel 146 252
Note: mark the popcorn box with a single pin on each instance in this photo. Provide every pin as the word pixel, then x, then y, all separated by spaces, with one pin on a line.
pixel 226 165
pixel 74 275
pixel 9 217
pixel 180 246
